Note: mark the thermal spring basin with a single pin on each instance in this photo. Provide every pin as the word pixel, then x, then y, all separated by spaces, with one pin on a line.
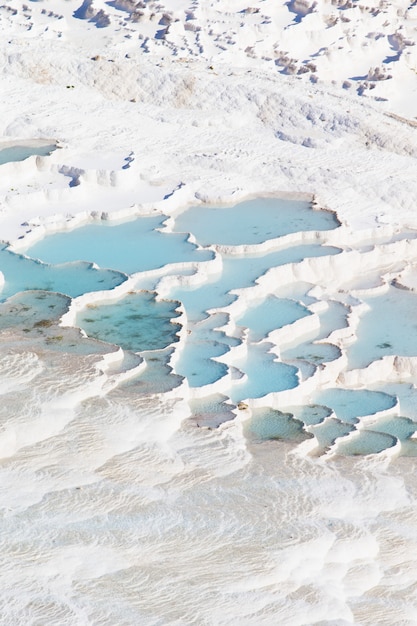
pixel 351 404
pixel 267 423
pixel 264 316
pixel 20 152
pixel 130 247
pixel 389 327
pixel 364 442
pixel 196 363
pixel 309 414
pixel 263 374
pixel 202 345
pixel 136 322
pixel 73 279
pixel 253 221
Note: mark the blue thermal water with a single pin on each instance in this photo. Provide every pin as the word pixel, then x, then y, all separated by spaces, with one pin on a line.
pixel 212 410
pixel 314 353
pixel 20 153
pixel 73 279
pixel 136 322
pixel 351 404
pixel 309 414
pixel 312 348
pixel 388 327
pixel 328 431
pixel 291 423
pixel 364 442
pixel 239 272
pixel 270 424
pixel 253 221
pixel 400 427
pixel 130 247
pixel 202 344
pixel 264 374
pixel 334 317
pixel 196 363
pixel 157 377
pixel 263 317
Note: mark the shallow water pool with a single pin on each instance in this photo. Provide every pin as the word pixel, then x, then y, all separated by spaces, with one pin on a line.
pixel 388 327
pixel 269 314
pixel 263 374
pixel 253 221
pixel 10 154
pixel 271 424
pixel 22 273
pixel 351 404
pixel 136 322
pixel 133 246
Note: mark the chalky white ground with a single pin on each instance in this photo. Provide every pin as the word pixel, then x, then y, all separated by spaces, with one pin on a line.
pixel 115 509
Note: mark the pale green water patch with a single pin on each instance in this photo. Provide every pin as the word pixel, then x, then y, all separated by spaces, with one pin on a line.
pixel 136 322
pixel 364 442
pixel 397 426
pixel 272 424
pixel 35 316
